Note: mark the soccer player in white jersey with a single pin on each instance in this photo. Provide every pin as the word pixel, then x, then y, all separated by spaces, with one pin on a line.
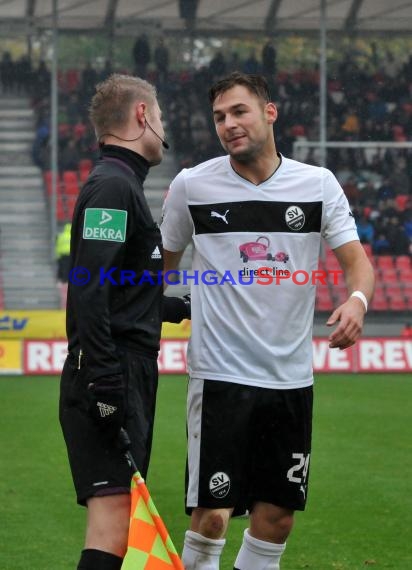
pixel 256 219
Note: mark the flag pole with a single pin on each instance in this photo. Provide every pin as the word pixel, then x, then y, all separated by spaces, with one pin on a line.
pixel 138 486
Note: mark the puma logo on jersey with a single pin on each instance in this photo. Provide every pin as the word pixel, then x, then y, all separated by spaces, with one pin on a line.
pixel 214 214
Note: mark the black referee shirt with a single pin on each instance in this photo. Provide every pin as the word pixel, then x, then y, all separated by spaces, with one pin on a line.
pixel 116 258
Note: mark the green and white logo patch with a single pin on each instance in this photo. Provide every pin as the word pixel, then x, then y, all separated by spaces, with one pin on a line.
pixel 105 225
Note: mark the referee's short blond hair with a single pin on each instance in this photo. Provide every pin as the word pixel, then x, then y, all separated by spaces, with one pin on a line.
pixel 110 105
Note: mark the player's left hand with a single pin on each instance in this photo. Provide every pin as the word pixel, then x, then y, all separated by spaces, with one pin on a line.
pixel 350 316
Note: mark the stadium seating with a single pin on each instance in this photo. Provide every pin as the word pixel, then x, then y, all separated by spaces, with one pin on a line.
pixel 379 304
pixel 70 203
pixel 401 201
pixel 403 262
pixel 393 290
pixel 60 209
pixel 408 298
pixel 85 165
pixel 323 299
pixel 71 183
pixel 48 177
pixel 385 262
pixel 368 249
pixel 67 192
pixel 397 304
pixel 388 275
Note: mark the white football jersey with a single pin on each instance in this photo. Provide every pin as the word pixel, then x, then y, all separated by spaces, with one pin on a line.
pixel 249 327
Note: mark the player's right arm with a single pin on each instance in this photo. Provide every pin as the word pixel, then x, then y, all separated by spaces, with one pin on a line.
pixel 177 224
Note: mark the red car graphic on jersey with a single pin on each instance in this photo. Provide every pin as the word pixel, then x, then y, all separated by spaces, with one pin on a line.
pixel 255 249
pixel 281 256
pixel 259 249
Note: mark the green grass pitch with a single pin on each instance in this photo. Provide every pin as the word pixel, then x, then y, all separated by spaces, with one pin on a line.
pixel 360 500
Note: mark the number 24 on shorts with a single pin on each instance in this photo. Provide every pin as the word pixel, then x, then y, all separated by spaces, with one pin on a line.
pixel 302 465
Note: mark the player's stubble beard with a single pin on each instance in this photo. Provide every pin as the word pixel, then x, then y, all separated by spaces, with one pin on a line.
pixel 249 154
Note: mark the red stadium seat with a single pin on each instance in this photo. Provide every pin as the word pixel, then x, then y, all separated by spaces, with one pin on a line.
pixel 323 299
pixel 85 166
pixel 405 275
pixel 61 213
pixel 71 182
pixel 72 79
pixel 403 261
pixel 70 204
pixel 384 262
pixel 401 201
pixel 389 275
pixel 47 176
pixel 407 292
pixel 70 177
pixel 394 291
pixel 379 304
pixel 322 291
pixel 397 304
pixel 380 294
pixel 324 305
pixel 408 298
pixel 368 249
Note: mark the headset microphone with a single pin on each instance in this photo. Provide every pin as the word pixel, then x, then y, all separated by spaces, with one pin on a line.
pixel 165 145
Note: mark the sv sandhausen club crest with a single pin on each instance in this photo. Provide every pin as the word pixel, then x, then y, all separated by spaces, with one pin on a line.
pixel 219 485
pixel 295 218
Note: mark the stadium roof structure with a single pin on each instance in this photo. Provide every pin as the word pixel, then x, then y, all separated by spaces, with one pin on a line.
pixel 206 17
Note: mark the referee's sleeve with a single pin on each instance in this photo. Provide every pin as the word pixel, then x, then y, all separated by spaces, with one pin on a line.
pixel 91 300
pixel 177 224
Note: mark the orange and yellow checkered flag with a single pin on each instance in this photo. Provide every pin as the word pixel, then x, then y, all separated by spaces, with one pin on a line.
pixel 149 546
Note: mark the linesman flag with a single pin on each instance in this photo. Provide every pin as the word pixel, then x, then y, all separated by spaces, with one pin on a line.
pixel 149 545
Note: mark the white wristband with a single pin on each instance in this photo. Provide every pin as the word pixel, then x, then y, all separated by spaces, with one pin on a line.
pixel 362 297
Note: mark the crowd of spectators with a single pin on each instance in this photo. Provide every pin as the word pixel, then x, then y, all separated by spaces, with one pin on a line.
pixel 363 104
pixel 76 87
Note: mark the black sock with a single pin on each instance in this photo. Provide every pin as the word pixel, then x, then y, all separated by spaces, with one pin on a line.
pixel 98 560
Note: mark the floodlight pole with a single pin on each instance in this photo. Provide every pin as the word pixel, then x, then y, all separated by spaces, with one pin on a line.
pixel 323 84
pixel 54 132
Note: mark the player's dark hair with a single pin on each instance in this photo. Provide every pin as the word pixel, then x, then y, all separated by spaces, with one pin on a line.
pixel 256 84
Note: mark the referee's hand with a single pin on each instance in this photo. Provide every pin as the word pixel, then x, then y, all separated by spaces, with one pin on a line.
pixel 175 309
pixel 107 404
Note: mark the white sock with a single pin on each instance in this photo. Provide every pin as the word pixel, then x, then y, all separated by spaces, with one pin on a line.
pixel 258 554
pixel 201 553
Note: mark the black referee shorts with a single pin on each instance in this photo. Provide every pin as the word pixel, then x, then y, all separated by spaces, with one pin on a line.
pixel 98 466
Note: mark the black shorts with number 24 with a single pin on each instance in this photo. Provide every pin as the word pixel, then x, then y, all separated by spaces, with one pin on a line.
pixel 247 444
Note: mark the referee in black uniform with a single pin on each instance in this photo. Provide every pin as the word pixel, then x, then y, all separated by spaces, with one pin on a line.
pixel 114 313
